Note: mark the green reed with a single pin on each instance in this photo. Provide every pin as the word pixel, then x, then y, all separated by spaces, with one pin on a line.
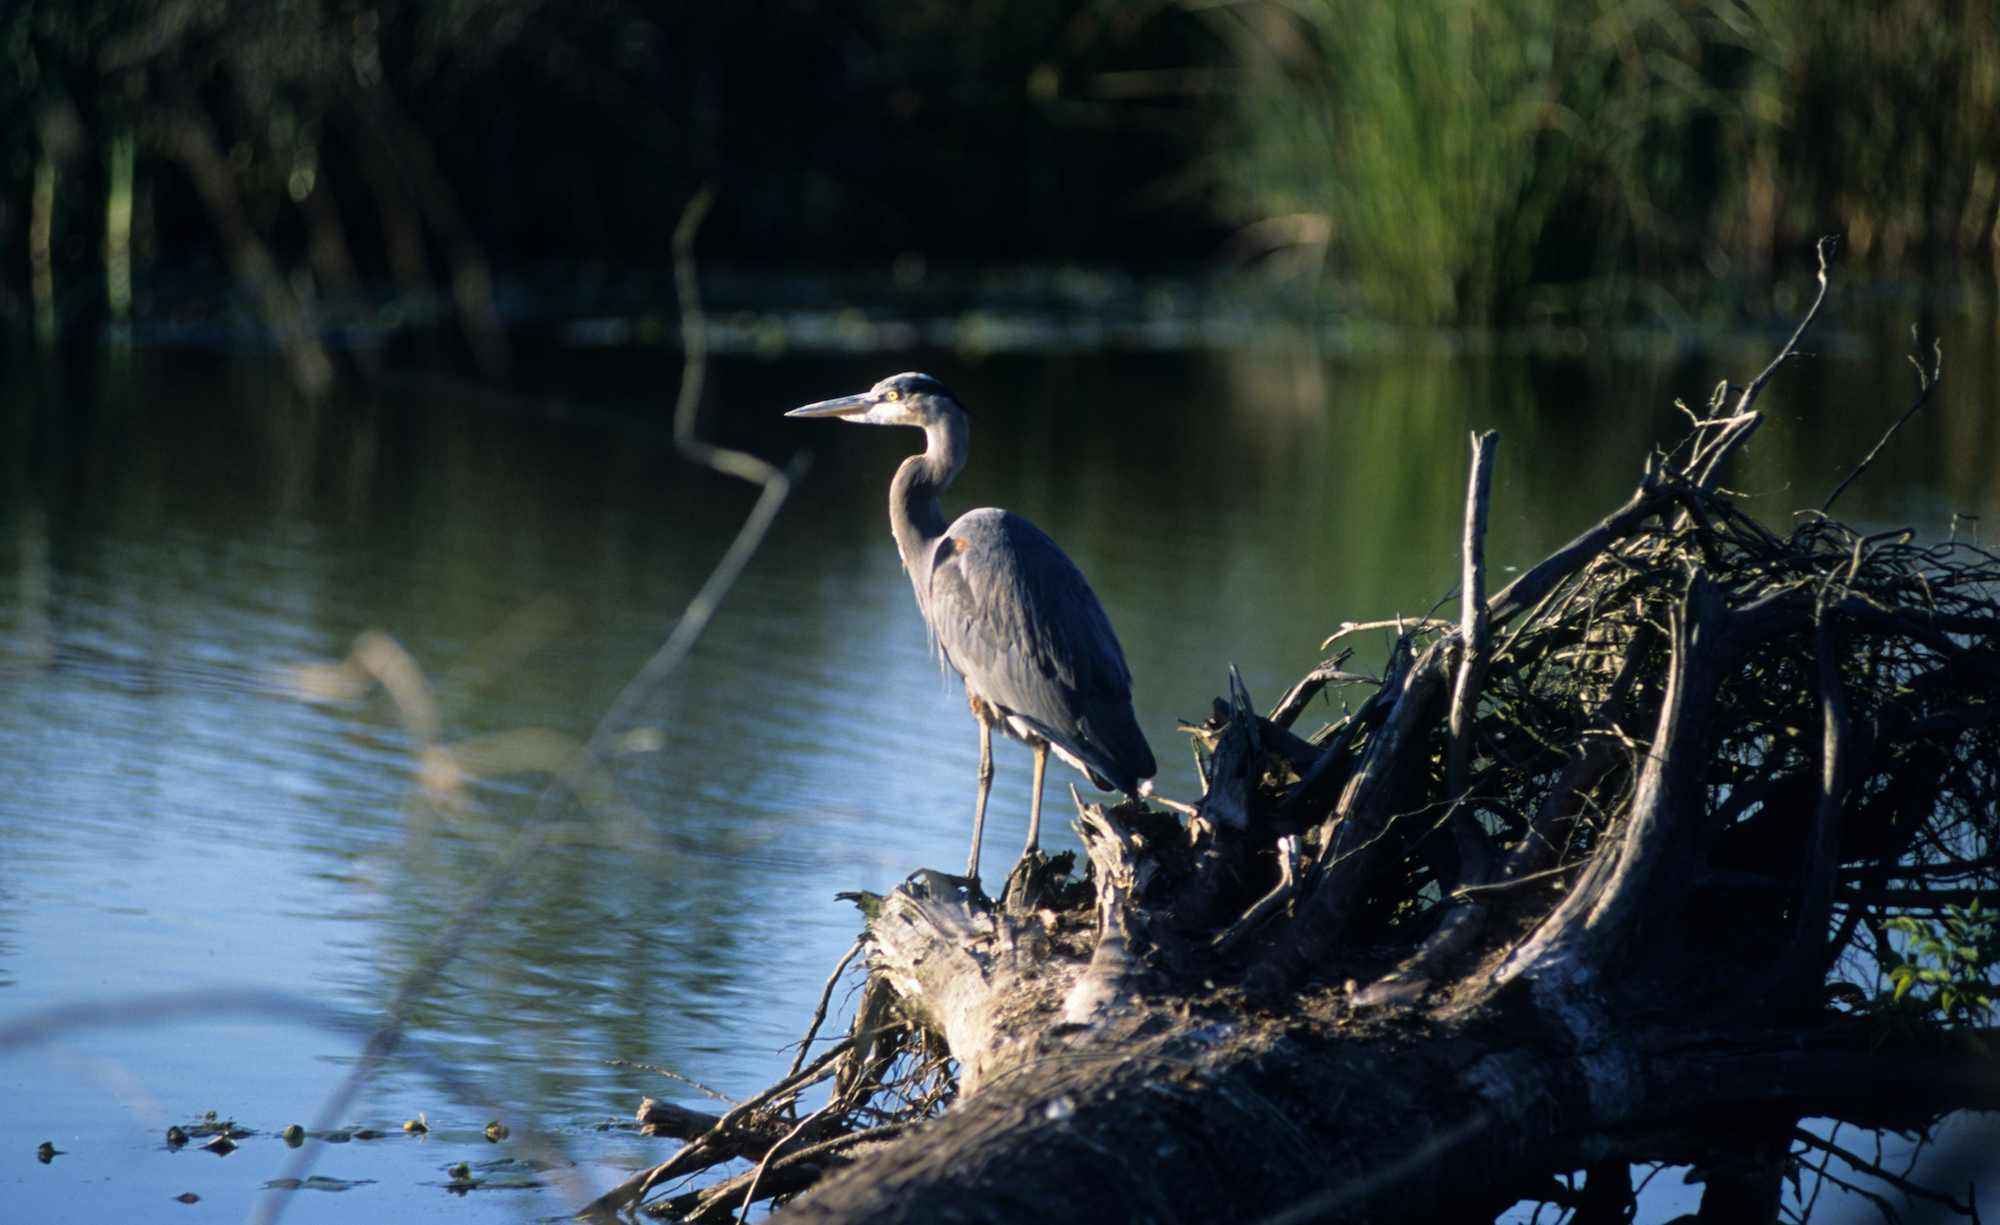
pixel 1465 150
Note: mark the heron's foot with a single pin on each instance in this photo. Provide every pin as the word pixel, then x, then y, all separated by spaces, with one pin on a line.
pixel 944 885
pixel 1036 881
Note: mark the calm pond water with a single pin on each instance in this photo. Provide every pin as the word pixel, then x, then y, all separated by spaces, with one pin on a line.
pixel 189 550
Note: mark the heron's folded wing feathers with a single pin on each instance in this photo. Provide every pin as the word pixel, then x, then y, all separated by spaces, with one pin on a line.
pixel 1015 617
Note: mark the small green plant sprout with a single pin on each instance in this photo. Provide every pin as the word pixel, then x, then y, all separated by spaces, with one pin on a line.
pixel 1945 985
pixel 496 1131
pixel 294 1135
pixel 417 1126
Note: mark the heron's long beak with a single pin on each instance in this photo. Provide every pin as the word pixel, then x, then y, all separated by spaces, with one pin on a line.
pixel 845 406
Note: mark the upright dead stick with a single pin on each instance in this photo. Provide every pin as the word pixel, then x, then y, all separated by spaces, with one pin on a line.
pixel 1729 433
pixel 1748 400
pixel 1473 632
pixel 1475 851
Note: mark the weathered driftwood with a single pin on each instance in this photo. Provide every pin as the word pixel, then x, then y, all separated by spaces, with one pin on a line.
pixel 1565 892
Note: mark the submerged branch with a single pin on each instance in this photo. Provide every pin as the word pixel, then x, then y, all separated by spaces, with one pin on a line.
pixel 547 819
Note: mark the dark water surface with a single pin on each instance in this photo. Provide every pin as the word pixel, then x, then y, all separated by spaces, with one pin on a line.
pixel 184 807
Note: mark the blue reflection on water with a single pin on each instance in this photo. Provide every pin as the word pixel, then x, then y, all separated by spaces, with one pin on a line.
pixel 171 816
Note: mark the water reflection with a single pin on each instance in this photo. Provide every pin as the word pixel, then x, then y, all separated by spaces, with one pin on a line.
pixel 183 534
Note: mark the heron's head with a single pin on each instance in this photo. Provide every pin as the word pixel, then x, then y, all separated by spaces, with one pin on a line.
pixel 901 399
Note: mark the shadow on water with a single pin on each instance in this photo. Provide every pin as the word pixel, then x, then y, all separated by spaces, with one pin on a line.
pixel 184 533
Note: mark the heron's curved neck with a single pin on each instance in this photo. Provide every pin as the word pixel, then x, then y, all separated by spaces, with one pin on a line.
pixel 914 513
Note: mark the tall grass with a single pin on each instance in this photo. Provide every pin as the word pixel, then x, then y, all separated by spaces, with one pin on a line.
pixel 1466 150
pixel 1462 160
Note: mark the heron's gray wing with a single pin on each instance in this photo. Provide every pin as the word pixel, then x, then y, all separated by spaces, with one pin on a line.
pixel 1015 617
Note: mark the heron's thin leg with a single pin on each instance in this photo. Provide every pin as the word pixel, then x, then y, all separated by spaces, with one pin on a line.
pixel 985 787
pixel 1035 805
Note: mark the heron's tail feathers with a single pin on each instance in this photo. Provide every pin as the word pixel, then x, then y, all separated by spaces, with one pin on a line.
pixel 1117 750
pixel 1104 743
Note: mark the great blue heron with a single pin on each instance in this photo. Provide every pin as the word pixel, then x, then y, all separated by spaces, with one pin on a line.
pixel 1008 610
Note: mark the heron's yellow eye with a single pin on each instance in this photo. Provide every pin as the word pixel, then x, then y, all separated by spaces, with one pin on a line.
pixel 892 394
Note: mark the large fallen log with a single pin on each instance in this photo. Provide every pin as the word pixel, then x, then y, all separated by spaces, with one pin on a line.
pixel 1575 887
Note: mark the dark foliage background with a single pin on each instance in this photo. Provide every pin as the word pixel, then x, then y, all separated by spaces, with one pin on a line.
pixel 1444 161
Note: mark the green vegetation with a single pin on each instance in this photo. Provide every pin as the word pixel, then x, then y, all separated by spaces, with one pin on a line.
pixel 1943 984
pixel 1446 160
pixel 1464 151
